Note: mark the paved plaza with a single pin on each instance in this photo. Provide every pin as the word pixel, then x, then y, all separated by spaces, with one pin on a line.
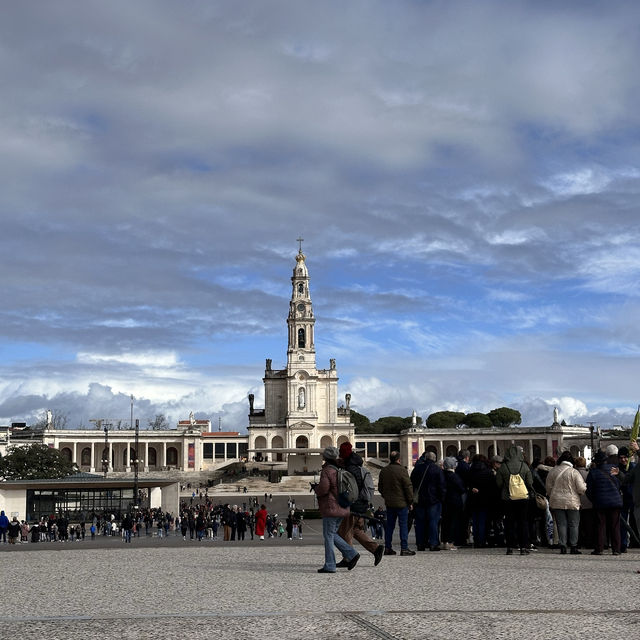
pixel 176 589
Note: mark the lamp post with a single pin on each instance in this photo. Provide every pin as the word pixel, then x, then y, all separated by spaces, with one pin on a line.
pixel 136 463
pixel 105 455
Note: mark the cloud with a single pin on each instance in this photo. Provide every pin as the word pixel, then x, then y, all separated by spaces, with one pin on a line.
pixel 467 192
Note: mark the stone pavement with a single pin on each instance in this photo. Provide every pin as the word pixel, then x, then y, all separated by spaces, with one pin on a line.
pixel 178 589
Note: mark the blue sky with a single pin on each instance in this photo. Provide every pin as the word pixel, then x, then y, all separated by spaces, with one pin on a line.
pixel 465 176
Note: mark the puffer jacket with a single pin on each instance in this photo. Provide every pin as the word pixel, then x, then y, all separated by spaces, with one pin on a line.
pixel 327 492
pixel 564 487
pixel 603 489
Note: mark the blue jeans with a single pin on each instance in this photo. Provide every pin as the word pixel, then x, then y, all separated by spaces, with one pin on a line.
pixel 567 523
pixel 402 516
pixel 427 522
pixel 331 537
pixel 127 535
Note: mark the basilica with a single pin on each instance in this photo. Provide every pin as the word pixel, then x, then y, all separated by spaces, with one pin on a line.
pixel 303 413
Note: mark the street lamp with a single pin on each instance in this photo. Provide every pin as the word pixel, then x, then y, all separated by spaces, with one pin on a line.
pixel 105 455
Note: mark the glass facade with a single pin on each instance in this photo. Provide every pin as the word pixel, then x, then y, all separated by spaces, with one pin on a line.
pixel 76 504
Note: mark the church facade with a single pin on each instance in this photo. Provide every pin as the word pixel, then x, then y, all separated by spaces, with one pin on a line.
pixel 301 414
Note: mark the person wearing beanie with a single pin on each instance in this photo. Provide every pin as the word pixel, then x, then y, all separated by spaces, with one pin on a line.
pixel 332 513
pixel 354 525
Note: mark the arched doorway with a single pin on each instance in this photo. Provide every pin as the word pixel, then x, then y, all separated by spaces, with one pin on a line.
pixel 277 443
pixel 302 442
pixel 152 454
pixel 260 443
pixel 452 450
pixel 85 457
pixel 326 441
pixel 431 449
pixel 342 439
pixel 172 457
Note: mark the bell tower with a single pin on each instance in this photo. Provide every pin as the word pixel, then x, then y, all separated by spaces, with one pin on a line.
pixel 301 349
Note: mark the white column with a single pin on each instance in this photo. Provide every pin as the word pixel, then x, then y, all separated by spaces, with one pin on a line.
pixel 146 456
pixel 530 450
pixel 111 466
pixel 441 443
pixel 127 458
pixel 92 464
pixel 163 462
pixel 478 447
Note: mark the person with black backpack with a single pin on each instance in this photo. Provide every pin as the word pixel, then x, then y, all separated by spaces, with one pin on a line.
pixel 332 513
pixel 354 525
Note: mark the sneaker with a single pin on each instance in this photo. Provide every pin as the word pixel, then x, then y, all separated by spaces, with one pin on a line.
pixel 389 552
pixel 407 552
pixel 435 548
pixel 353 562
pixel 323 570
pixel 377 555
pixel 449 546
pixel 343 564
pixel 596 553
pixel 524 552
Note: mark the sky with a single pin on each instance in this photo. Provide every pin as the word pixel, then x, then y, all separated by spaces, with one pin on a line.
pixel 465 176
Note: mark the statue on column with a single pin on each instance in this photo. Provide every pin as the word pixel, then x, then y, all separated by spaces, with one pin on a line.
pixel 251 397
pixel 414 419
pixel 301 401
pixel 332 364
pixel 268 364
pixel 49 419
pixel 347 399
pixel 556 417
pixel 192 419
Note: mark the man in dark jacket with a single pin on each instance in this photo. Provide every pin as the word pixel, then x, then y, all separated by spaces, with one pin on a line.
pixel 395 487
pixel 603 489
pixel 428 478
pixel 354 526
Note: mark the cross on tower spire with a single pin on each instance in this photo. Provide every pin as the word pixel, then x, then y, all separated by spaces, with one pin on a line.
pixel 300 241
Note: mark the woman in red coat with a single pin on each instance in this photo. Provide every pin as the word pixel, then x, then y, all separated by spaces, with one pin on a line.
pixel 261 521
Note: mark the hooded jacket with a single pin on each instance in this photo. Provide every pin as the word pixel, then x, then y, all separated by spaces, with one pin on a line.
pixel 513 463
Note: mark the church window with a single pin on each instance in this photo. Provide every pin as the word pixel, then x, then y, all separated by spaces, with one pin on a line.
pixel 300 288
pixel 301 338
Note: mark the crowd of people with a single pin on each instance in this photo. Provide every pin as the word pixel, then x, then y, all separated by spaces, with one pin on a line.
pixel 509 502
pixel 465 501
pixel 196 521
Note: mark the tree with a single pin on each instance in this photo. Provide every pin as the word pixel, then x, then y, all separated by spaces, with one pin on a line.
pixel 477 421
pixel 393 424
pixel 445 420
pixel 159 422
pixel 35 461
pixel 504 417
pixel 362 423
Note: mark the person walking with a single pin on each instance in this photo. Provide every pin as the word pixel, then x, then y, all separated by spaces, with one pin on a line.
pixel 395 488
pixel 332 514
pixel 354 526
